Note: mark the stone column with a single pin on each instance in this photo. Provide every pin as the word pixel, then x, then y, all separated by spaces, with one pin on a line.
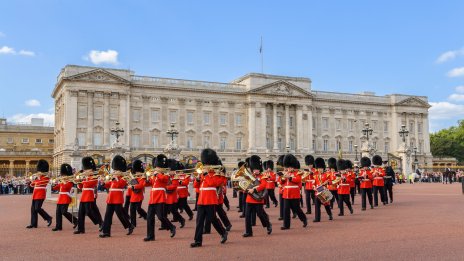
pixel 215 125
pixel 123 118
pixel 261 127
pixel 128 118
pixel 89 118
pixel 274 123
pixel 251 127
pixel 310 129
pixel 27 166
pixel 106 120
pixel 11 167
pixel 425 133
pixel 199 123
pixel 145 120
pixel 165 124
pixel 70 116
pixel 181 123
pixel 299 129
pixel 287 125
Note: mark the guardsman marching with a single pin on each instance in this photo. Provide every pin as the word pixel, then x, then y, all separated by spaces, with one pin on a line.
pixel 171 193
pixel 365 175
pixel 115 199
pixel 255 206
pixel 64 198
pixel 344 187
pixel 352 175
pixel 138 191
pixel 389 181
pixel 291 192
pixel 332 176
pixel 39 194
pixel 280 182
pixel 309 182
pixel 183 193
pixel 378 187
pixel 207 200
pixel 221 197
pixel 321 179
pixel 270 182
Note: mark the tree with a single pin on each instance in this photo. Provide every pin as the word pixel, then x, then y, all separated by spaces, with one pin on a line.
pixel 449 142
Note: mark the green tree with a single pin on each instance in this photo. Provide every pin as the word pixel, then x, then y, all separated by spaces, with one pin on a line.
pixel 449 142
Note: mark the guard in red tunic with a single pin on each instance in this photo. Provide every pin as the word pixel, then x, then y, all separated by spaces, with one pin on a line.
pixel 38 196
pixel 87 201
pixel 321 179
pixel 207 200
pixel 343 187
pixel 137 192
pixel 171 193
pixel 241 197
pixel 332 176
pixel 366 181
pixel 352 175
pixel 309 182
pixel 270 182
pixel 378 173
pixel 128 192
pixel 64 198
pixel 291 192
pixel 115 199
pixel 280 183
pixel 183 193
pixel 221 192
pixel 254 206
pixel 156 205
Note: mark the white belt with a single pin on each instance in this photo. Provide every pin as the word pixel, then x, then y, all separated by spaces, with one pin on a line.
pixel 208 189
pixel 90 189
pixel 344 184
pixel 378 178
pixel 158 189
pixel 291 187
pixel 116 189
pixel 40 187
pixel 181 187
pixel 66 193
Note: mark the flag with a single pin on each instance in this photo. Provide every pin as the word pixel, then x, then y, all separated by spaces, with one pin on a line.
pixel 261 46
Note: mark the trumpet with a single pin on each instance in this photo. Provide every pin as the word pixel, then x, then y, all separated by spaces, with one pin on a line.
pixel 200 168
pixel 63 179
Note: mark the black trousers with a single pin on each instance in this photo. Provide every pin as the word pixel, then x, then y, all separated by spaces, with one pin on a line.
pixel 183 204
pixel 379 190
pixel 196 200
pixel 309 195
pixel 344 198
pixel 281 209
pixel 222 215
pixel 174 210
pixel 159 211
pixel 136 207
pixel 62 210
pixel 36 210
pixel 364 192
pixel 127 204
pixel 317 209
pixel 352 193
pixel 255 210
pixel 270 195
pixel 86 209
pixel 389 189
pixel 334 198
pixel 108 221
pixel 226 202
pixel 293 204
pixel 241 201
pixel 96 212
pixel 358 187
pixel 234 193
pixel 207 213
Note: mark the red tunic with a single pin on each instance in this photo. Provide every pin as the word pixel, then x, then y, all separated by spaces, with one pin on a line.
pixel 158 190
pixel 281 182
pixel 378 174
pixel 292 188
pixel 116 188
pixel 331 176
pixel 40 187
pixel 344 186
pixel 221 192
pixel 140 187
pixel 366 182
pixel 65 195
pixel 319 178
pixel 208 186
pixel 353 178
pixel 88 186
pixel 171 192
pixel 309 181
pixel 270 182
pixel 261 187
pixel 182 189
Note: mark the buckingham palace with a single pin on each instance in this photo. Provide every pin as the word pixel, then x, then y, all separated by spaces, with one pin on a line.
pixel 257 113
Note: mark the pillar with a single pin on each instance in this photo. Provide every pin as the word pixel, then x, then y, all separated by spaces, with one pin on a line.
pixel 287 125
pixel 275 131
pixel 251 127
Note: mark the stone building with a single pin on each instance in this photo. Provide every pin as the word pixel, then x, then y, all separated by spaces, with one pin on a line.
pixel 254 114
pixel 22 145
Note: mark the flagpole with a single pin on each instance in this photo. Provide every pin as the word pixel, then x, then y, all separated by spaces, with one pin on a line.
pixel 262 55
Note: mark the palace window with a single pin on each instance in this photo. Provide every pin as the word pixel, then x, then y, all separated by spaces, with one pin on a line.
pixel 155 141
pixel 268 143
pixel 314 123
pixel 97 139
pixel 51 141
pixel 189 142
pixel 222 143
pixel 38 141
pixel 350 146
pixel 172 116
pixel 238 119
pixel 9 140
pixel 268 120
pixel 325 123
pixel 207 118
pixel 155 116
pixel 136 115
pixel 82 111
pixel 98 113
pixel 350 124
pixel 222 119
pixel 374 125
pixel 279 121
pixel 291 121
pixel 206 141
pixel 374 144
pixel 135 140
pixel 292 144
pixel 314 145
pixel 81 138
pixel 279 144
pixel 387 147
pixel 411 126
pixel 238 143
pixel 114 113
pixel 326 146
pixel 385 126
pixel 419 127
pixel 190 117
pixel 25 140
pixel 339 145
pixel 338 124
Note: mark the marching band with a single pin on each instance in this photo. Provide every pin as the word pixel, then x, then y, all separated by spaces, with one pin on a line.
pixel 254 179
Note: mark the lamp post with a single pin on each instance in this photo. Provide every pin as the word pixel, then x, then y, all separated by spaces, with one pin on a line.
pixel 355 152
pixel 172 132
pixel 118 132
pixel 367 131
pixel 403 132
pixel 415 158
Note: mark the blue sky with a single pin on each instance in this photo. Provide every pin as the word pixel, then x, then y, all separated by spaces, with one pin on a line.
pixel 410 47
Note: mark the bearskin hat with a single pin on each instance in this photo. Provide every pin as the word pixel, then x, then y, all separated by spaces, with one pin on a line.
pixel 280 160
pixel 377 160
pixel 209 157
pixel 309 160
pixel 298 166
pixel 88 163
pixel 365 162
pixel 319 163
pixel 341 164
pixel 137 166
pixel 172 164
pixel 66 170
pixel 256 163
pixel 240 164
pixel 42 166
pixel 332 162
pixel 129 167
pixel 268 164
pixel 161 161
pixel 290 161
pixel 349 164
pixel 119 163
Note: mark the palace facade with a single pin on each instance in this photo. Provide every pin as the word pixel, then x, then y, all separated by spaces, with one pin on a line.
pixel 255 114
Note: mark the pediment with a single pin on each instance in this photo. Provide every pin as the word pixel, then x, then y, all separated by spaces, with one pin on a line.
pixel 413 101
pixel 99 75
pixel 281 88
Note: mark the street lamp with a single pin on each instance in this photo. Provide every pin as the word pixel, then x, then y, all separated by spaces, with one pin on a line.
pixel 367 131
pixel 118 132
pixel 355 152
pixel 172 132
pixel 403 132
pixel 415 155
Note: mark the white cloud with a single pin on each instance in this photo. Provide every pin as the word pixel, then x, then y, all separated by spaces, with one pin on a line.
pixel 98 57
pixel 456 97
pixel 49 118
pixel 32 103
pixel 460 89
pixel 7 50
pixel 445 110
pixel 456 72
pixel 26 53
pixel 449 55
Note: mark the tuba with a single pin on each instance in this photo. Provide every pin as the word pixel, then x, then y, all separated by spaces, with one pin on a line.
pixel 242 180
